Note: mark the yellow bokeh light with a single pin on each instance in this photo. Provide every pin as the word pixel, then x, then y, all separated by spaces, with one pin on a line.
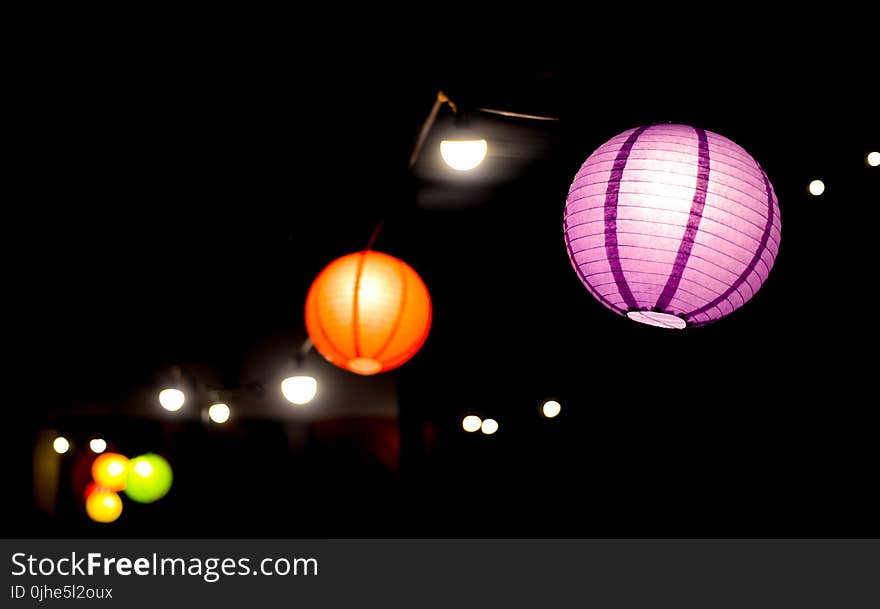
pixel 471 423
pixel 172 399
pixel 219 413
pixel 103 505
pixel 873 159
pixel 551 408
pixel 61 445
pixel 817 187
pixel 97 445
pixel 489 426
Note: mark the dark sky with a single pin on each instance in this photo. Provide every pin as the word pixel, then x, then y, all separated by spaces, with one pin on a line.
pixel 182 191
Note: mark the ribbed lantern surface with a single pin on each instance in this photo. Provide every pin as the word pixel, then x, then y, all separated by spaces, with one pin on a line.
pixel 368 312
pixel 672 225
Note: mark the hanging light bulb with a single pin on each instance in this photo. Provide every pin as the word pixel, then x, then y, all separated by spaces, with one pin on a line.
pixel 172 399
pixel 463 155
pixel 299 390
pixel 219 413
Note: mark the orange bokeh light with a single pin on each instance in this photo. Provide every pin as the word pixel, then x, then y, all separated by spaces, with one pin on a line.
pixel 368 312
pixel 103 505
pixel 110 471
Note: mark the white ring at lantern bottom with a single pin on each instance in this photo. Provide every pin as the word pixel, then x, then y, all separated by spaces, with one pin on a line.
pixel 660 320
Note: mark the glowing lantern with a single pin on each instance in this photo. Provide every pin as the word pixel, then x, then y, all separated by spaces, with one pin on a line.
pixel 368 312
pixel 110 470
pixel 149 478
pixel 672 226
pixel 103 505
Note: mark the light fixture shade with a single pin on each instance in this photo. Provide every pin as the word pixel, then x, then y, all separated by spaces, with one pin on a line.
pixel 368 312
pixel 671 225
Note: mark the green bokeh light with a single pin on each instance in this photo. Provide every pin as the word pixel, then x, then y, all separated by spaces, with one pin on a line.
pixel 149 478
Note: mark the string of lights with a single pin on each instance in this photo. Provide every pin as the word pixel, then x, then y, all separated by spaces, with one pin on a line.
pixel 368 312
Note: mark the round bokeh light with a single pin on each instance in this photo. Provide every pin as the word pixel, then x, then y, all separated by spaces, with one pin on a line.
pixel 149 478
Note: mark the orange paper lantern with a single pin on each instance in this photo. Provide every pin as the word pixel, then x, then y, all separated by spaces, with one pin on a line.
pixel 368 312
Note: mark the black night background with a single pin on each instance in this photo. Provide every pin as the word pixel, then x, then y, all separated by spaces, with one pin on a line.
pixel 181 189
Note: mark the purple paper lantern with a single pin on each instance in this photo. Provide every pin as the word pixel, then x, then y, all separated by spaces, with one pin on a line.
pixel 672 225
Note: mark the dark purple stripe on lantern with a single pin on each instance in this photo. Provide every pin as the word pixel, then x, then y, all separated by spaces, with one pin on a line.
pixel 754 261
pixel 580 272
pixel 612 192
pixel 693 223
